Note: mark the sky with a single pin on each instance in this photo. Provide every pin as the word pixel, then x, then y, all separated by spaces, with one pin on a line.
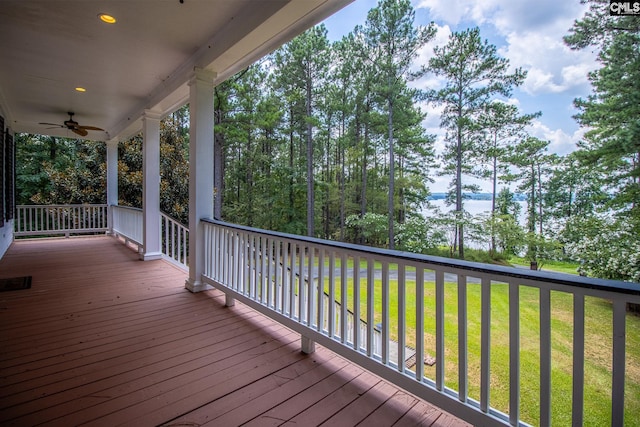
pixel 529 34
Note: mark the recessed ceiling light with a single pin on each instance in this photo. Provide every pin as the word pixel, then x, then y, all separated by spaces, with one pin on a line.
pixel 104 17
pixel 81 89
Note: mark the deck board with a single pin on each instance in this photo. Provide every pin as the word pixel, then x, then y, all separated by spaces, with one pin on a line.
pixel 103 338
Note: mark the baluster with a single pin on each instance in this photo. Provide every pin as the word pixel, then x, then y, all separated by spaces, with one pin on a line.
pixel 419 323
pixel 252 266
pixel 223 255
pixel 343 297
pixel 313 293
pixel 485 346
pixel 578 359
pixel 207 250
pixel 370 307
pixel 294 281
pixel 440 330
pixel 278 276
pixel 286 272
pixel 269 255
pixel 262 266
pixel 514 353
pixel 321 299
pixel 228 256
pixel 184 246
pixel 302 287
pixel 356 303
pixel 385 312
pixel 545 357
pixel 332 295
pixel 246 280
pixel 617 386
pixel 215 249
pixel 236 262
pixel 173 237
pixel 462 338
pixel 402 310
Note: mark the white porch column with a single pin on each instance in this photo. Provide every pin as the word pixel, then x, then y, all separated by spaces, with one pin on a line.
pixel 151 186
pixel 200 171
pixel 112 180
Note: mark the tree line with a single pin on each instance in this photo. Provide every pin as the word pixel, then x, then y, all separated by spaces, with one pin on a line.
pixel 326 139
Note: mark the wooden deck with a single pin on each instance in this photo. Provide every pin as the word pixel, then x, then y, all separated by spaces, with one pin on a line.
pixel 104 339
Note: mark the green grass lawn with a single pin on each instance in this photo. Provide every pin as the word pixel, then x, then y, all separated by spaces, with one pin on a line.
pixel 557 266
pixel 598 344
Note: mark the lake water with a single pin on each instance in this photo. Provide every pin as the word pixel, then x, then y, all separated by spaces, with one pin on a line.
pixel 476 207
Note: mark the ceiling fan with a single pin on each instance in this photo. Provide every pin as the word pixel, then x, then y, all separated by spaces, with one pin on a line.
pixel 74 126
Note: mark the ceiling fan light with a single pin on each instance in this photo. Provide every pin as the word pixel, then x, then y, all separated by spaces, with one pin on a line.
pixel 105 17
pixel 81 89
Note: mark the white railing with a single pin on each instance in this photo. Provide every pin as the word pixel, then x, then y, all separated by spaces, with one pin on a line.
pixel 174 239
pixel 174 236
pixel 127 222
pixel 39 220
pixel 413 298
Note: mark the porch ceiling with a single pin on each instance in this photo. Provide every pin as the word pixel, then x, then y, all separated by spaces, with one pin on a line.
pixel 144 61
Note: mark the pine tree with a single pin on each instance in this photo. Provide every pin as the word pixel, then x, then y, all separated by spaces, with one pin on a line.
pixel 392 42
pixel 474 75
pixel 501 125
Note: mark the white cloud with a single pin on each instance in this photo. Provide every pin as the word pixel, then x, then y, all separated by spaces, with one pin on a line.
pixel 429 81
pixel 578 73
pixel 539 81
pixel 560 142
pixel 532 32
pixel 551 66
pixel 550 17
pixel 455 11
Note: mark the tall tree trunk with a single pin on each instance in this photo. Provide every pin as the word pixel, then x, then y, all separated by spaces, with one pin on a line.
pixel 249 164
pixel 268 155
pixel 391 176
pixel 532 207
pixel 52 147
pixel 342 192
pixel 326 178
pixel 493 197
pixel 460 226
pixel 310 190
pixel 540 199
pixel 291 164
pixel 363 188
pixel 218 166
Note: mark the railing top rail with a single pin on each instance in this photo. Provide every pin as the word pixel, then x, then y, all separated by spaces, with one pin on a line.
pixel 616 286
pixel 126 207
pixel 77 205
pixel 166 215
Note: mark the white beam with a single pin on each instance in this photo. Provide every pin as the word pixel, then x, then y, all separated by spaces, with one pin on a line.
pixel 200 171
pixel 151 186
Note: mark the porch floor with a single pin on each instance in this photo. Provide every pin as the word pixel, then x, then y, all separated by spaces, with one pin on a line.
pixel 102 338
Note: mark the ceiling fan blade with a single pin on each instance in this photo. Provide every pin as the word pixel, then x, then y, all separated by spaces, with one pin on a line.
pixel 80 132
pixel 51 124
pixel 90 128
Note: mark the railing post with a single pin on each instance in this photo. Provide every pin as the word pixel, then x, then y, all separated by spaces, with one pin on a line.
pixel 307 344
pixel 229 301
